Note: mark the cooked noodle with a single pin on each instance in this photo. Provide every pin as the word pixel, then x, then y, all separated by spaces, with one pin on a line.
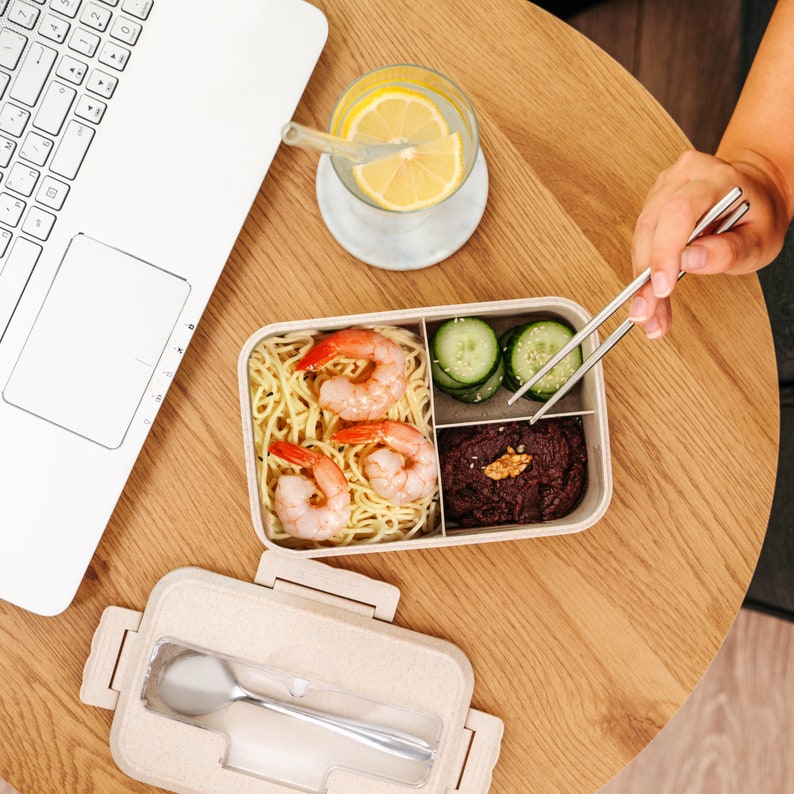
pixel 284 406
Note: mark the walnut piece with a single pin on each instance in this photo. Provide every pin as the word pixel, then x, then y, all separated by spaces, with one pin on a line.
pixel 511 464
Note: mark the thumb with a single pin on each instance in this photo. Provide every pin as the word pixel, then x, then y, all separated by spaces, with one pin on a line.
pixel 714 254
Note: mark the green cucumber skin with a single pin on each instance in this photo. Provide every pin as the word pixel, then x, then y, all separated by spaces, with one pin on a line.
pixel 504 344
pixel 466 350
pixel 508 361
pixel 482 392
pixel 442 380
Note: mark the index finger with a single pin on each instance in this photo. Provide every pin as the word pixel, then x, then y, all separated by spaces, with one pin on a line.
pixel 675 224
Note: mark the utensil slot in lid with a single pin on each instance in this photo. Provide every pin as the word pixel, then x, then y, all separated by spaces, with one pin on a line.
pixel 277 746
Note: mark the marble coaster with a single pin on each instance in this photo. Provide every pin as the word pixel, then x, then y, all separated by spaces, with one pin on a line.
pixel 393 242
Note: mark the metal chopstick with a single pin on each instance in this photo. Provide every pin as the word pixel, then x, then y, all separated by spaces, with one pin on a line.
pixel 621 331
pixel 710 218
pixel 608 310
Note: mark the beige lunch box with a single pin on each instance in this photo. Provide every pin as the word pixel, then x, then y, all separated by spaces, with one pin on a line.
pixel 586 401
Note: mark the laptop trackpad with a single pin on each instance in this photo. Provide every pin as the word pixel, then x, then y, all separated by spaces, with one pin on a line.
pixel 96 341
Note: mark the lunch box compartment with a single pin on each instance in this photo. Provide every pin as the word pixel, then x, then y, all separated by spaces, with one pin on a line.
pixel 586 401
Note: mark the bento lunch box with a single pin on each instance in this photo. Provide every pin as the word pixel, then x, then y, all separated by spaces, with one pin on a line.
pixel 586 402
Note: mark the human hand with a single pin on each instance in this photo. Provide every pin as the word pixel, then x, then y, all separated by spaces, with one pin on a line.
pixel 680 197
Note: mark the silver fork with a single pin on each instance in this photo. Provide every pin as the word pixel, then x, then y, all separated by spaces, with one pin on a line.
pixel 721 214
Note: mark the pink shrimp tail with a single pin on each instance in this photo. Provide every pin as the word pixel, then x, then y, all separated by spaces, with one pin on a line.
pixel 320 354
pixel 361 434
pixel 293 453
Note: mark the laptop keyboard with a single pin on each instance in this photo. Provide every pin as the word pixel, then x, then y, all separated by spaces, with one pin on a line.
pixel 60 65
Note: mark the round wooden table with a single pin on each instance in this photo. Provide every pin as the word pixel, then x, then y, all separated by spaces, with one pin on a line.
pixel 585 644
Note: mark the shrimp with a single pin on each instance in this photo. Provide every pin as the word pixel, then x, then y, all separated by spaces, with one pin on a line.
pixel 404 468
pixel 302 514
pixel 368 399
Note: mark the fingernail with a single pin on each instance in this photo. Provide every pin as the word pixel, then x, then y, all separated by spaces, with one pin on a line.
pixel 652 329
pixel 661 284
pixel 638 313
pixel 694 258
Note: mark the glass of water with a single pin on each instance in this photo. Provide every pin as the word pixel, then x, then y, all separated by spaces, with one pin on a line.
pixel 423 198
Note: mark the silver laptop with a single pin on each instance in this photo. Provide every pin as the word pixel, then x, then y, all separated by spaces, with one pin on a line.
pixel 134 137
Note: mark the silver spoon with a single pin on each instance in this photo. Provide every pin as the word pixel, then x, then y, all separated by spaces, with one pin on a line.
pixel 193 684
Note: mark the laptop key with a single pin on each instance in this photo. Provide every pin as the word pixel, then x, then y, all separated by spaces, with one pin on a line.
pixel 7 147
pixel 84 42
pixel 54 28
pixel 125 30
pixel 90 109
pixel 33 74
pixel 36 148
pixel 71 69
pixel 11 46
pixel 13 119
pixel 72 149
pixel 38 223
pixel 137 8
pixel 96 17
pixel 114 56
pixel 11 209
pixel 23 14
pixel 101 83
pixel 52 193
pixel 22 179
pixel 68 8
pixel 53 108
pixel 14 276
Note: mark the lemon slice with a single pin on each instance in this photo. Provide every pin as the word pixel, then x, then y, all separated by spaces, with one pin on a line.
pixel 419 176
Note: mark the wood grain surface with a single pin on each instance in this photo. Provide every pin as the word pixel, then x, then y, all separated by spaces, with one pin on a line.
pixel 585 645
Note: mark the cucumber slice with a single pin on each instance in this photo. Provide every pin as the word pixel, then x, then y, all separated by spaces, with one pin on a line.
pixel 504 344
pixel 488 389
pixel 530 346
pixel 480 393
pixel 442 380
pixel 466 350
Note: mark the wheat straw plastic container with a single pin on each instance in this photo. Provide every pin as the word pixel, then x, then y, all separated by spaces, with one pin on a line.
pixel 586 401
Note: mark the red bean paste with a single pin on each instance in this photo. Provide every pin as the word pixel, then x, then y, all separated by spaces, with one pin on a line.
pixel 548 487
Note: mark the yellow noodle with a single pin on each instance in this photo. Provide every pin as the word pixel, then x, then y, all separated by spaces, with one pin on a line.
pixel 284 407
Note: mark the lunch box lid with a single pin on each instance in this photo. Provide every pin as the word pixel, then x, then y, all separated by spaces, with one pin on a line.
pixel 311 620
